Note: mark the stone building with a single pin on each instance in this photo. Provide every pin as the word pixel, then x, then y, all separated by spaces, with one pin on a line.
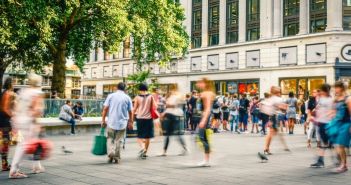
pixel 246 46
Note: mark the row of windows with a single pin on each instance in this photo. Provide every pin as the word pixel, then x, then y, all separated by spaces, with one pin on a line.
pixel 291 18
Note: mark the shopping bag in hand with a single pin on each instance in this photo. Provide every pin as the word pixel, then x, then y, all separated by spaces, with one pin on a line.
pixel 100 143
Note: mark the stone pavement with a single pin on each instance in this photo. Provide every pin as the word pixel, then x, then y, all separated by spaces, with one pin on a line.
pixel 234 162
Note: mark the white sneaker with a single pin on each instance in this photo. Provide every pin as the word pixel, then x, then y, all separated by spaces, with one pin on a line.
pixel 204 164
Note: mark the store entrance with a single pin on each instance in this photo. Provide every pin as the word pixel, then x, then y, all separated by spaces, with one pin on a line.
pixel 300 86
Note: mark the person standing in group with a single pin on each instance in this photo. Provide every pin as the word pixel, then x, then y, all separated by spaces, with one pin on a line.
pixel 143 103
pixel 225 111
pixel 276 105
pixel 172 119
pixel 30 107
pixel 118 107
pixel 303 114
pixel 264 116
pixel 191 110
pixel 216 111
pixel 67 115
pixel 312 103
pixel 254 111
pixel 291 112
pixel 234 114
pixel 206 100
pixel 7 102
pixel 244 105
pixel 339 127
pixel 322 117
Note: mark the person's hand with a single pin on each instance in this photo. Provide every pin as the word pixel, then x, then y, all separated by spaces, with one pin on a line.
pixel 202 125
pixel 130 125
pixel 103 124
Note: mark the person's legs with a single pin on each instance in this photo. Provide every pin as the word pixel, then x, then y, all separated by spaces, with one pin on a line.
pixel 73 125
pixel 245 121
pixel 204 140
pixel 4 150
pixel 19 153
pixel 118 140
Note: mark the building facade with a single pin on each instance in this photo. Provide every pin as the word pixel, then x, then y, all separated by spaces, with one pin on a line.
pixel 246 46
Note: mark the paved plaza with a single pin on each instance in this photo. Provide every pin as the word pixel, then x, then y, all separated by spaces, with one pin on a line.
pixel 234 162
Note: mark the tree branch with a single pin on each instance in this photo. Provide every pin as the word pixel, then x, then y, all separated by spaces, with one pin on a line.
pixel 49 44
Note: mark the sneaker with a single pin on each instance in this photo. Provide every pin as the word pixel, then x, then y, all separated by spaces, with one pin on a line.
pixel 318 164
pixel 204 164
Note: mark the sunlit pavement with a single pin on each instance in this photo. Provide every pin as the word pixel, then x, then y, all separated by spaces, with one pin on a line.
pixel 234 161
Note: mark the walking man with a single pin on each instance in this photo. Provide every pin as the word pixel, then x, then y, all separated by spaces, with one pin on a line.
pixel 118 106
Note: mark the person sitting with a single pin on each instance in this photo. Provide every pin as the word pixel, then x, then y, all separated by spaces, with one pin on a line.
pixel 78 110
pixel 67 114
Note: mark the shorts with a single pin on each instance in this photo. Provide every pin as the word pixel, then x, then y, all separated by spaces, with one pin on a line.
pixel 145 128
pixel 243 118
pixel 225 116
pixel 281 117
pixel 216 116
pixel 274 121
pixel 254 119
pixel 323 133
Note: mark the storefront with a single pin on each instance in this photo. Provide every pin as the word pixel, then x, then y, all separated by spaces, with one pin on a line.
pixel 247 86
pixel 301 86
pixel 108 89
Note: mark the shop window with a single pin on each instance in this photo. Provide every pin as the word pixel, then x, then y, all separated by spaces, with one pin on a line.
pixel 301 86
pixel 89 91
pixel 291 17
pixel 213 22
pixel 253 20
pixel 232 21
pixel 318 15
pixel 196 24
pixel 108 89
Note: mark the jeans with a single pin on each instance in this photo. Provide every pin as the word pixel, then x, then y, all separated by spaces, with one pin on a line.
pixel 234 122
pixel 73 124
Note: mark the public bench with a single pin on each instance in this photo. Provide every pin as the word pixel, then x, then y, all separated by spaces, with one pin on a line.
pixel 55 126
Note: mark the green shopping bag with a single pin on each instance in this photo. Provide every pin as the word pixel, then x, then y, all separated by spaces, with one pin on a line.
pixel 100 143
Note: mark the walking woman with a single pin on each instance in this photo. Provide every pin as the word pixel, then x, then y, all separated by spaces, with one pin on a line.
pixel 206 98
pixel 143 103
pixel 339 128
pixel 30 107
pixel 7 99
pixel 172 119
pixel 291 112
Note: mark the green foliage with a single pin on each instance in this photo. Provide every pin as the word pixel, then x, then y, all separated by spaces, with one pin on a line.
pixel 158 32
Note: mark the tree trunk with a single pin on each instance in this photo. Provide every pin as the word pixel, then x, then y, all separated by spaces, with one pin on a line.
pixel 59 73
pixel 2 72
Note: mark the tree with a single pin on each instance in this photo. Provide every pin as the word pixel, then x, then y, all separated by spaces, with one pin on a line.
pixel 72 28
pixel 18 43
pixel 158 32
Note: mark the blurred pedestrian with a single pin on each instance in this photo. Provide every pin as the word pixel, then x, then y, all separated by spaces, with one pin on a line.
pixel 67 115
pixel 339 128
pixel 275 106
pixel 206 100
pixel 291 112
pixel 143 103
pixel 172 119
pixel 118 107
pixel 216 111
pixel 30 107
pixel 264 116
pixel 7 103
pixel 160 107
pixel 323 115
pixel 191 111
pixel 312 103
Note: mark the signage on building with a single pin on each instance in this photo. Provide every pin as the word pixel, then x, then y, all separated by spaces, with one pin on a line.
pixel 346 52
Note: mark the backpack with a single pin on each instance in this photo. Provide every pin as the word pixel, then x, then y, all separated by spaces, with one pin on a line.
pixel 216 104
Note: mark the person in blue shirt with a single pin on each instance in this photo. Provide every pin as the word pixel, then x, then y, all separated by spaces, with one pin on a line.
pixel 78 110
pixel 118 107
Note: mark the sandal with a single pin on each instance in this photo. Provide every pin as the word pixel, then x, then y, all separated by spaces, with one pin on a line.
pixel 38 170
pixel 340 169
pixel 18 175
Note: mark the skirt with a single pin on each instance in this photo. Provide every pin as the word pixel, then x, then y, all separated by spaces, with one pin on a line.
pixel 145 128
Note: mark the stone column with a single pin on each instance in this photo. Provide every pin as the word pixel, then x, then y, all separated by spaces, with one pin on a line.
pixel 222 21
pixel 242 20
pixel 277 16
pixel 334 15
pixel 304 17
pixel 204 28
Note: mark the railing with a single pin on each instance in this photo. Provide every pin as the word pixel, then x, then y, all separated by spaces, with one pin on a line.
pixel 92 108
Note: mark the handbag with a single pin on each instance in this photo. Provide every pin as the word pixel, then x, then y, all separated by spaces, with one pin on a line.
pixel 153 111
pixel 100 143
pixel 40 148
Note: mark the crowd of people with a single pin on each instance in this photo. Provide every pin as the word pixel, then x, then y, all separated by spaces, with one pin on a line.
pixel 324 115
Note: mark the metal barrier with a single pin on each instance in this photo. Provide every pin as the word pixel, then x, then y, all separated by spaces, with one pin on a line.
pixel 92 107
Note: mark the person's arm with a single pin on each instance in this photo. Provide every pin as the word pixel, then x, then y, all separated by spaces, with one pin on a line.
pixel 136 106
pixel 105 110
pixel 207 110
pixel 130 113
pixel 7 104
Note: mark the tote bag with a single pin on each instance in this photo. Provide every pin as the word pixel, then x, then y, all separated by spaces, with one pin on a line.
pixel 100 143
